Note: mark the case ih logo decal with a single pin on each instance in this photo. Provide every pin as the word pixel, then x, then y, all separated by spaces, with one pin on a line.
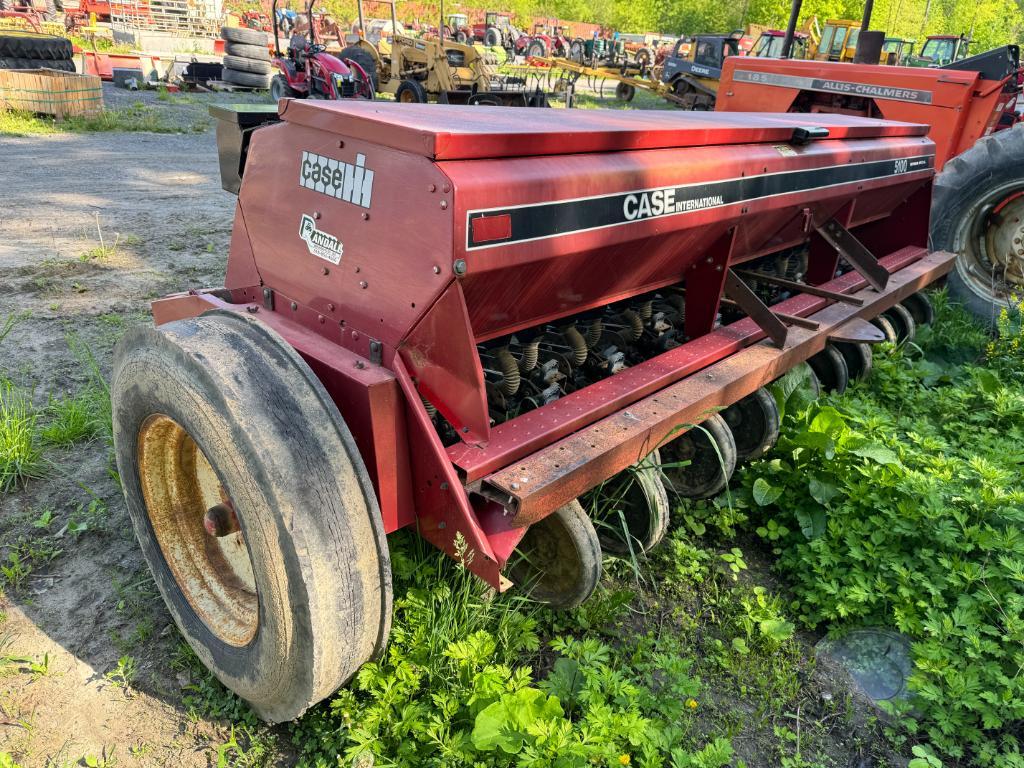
pixel 866 90
pixel 320 244
pixel 345 181
pixel 522 223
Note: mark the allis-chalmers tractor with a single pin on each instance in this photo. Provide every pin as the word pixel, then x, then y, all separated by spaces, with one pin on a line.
pixel 978 206
pixel 459 321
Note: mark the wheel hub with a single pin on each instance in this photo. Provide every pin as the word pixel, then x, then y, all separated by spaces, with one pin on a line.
pixel 1004 241
pixel 194 522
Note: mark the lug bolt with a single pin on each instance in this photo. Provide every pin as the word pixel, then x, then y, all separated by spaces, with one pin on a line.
pixel 294 306
pixel 460 266
pixel 330 307
pixel 363 284
pixel 437 270
pixel 444 204
pixel 366 216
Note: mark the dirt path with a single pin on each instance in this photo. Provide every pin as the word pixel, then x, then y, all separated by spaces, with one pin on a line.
pixel 156 202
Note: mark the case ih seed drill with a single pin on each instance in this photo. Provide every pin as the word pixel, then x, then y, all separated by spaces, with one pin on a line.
pixel 978 206
pixel 464 329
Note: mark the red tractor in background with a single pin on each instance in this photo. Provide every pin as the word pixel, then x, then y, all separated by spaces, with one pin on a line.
pixel 545 41
pixel 977 210
pixel 307 70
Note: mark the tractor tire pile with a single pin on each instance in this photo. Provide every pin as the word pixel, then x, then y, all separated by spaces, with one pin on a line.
pixel 31 50
pixel 246 58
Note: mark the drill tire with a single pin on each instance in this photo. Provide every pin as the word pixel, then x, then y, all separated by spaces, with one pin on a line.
pixel 225 392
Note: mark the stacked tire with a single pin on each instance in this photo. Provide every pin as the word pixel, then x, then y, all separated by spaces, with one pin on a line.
pixel 246 58
pixel 31 50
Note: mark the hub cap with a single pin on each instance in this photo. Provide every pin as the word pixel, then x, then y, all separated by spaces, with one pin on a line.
pixel 183 492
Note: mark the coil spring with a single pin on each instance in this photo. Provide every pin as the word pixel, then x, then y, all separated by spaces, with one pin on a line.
pixel 646 311
pixel 509 371
pixel 579 345
pixel 429 406
pixel 594 333
pixel 528 360
pixel 636 323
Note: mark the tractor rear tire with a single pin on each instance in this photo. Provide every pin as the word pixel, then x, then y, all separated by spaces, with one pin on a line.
pixel 364 59
pixel 492 37
pixel 257 52
pixel 30 45
pixel 244 35
pixel 241 64
pixel 287 591
pixel 411 92
pixel 536 48
pixel 246 79
pixel 971 186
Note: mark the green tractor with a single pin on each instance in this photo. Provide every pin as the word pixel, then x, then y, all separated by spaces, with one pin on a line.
pixel 940 50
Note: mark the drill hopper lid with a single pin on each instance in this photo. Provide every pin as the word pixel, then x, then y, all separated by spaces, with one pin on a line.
pixel 472 132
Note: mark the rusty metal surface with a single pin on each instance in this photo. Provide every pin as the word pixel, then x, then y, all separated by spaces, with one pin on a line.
pixel 755 309
pixel 561 471
pixel 535 429
pixel 851 249
pixel 794 286
pixel 857 330
pixel 214 573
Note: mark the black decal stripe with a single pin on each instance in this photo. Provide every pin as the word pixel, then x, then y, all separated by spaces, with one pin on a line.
pixel 543 220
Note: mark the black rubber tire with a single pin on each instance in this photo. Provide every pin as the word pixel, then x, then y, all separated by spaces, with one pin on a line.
pixel 461 37
pixel 902 321
pixel 60 66
pixel 364 59
pixel 492 37
pixel 558 562
pixel 643 58
pixel 246 79
pixel 411 92
pixel 536 48
pixel 243 51
pixel 279 88
pixel 709 470
pixel 624 92
pixel 884 324
pixel 643 503
pixel 245 36
pixel 830 368
pixel 293 474
pixel 755 423
pixel 30 45
pixel 240 64
pixel 858 359
pixel 993 167
pixel 920 308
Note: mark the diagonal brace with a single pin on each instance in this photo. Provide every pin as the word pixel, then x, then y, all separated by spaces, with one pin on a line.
pixel 853 250
pixel 756 309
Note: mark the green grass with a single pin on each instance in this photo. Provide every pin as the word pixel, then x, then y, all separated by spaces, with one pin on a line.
pixel 75 419
pixel 21 454
pixel 134 118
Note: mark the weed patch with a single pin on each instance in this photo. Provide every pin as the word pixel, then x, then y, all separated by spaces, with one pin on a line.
pixel 900 504
pixel 134 118
pixel 21 456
